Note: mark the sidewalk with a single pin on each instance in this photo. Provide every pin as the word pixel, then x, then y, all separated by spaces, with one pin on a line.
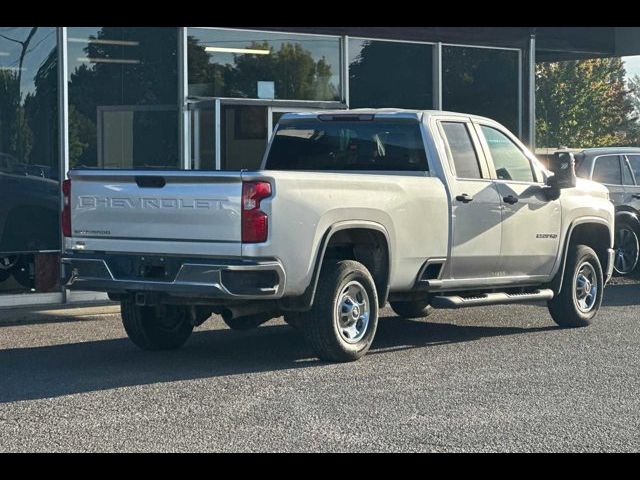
pixel 40 314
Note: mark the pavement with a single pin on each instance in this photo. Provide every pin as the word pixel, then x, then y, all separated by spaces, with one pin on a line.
pixel 501 378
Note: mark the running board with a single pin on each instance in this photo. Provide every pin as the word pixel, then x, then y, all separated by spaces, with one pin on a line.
pixel 455 301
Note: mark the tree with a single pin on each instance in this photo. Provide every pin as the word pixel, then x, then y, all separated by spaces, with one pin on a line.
pixel 584 103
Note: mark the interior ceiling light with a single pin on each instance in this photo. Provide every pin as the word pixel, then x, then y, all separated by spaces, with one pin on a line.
pixel 123 43
pixel 252 51
pixel 107 60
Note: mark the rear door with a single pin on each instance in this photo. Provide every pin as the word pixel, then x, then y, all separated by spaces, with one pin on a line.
pixel 530 221
pixel 632 188
pixel 607 170
pixel 475 204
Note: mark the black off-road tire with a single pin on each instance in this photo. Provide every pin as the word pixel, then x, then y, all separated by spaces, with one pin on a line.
pixel 414 309
pixel 151 331
pixel 320 327
pixel 564 307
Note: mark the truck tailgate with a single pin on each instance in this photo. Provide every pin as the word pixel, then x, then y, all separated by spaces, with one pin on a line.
pixel 188 206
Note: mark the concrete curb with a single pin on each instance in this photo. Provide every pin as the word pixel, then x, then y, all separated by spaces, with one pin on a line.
pixel 63 313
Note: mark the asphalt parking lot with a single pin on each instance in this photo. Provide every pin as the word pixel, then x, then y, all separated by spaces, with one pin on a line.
pixel 501 378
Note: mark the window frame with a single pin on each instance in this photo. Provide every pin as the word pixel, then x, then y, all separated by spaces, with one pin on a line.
pixel 482 164
pixel 537 170
pixel 593 168
pixel 633 173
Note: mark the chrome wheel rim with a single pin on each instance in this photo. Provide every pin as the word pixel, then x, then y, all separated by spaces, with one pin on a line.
pixel 627 251
pixel 352 312
pixel 585 287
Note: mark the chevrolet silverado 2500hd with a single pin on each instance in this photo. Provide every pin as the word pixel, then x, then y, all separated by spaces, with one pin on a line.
pixel 351 210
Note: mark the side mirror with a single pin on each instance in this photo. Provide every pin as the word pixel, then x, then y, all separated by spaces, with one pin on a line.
pixel 563 167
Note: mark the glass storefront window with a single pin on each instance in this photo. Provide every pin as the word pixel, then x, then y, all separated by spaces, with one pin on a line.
pixel 266 65
pixel 29 160
pixel 123 97
pixel 482 81
pixel 390 74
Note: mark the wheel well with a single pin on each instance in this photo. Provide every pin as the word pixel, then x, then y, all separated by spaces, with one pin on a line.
pixel 366 246
pixel 594 235
pixel 629 215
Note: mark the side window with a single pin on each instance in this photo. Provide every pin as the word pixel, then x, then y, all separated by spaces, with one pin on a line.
pixel 634 161
pixel 607 170
pixel 465 158
pixel 509 161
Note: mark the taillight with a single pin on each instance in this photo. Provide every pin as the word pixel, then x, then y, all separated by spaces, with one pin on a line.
pixel 254 221
pixel 66 208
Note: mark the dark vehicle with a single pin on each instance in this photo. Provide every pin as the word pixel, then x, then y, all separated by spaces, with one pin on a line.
pixel 618 168
pixel 29 215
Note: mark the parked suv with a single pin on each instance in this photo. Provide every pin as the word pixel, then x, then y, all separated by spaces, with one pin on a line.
pixel 618 168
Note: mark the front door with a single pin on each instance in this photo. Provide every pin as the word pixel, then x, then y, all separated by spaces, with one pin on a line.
pixel 475 205
pixel 530 222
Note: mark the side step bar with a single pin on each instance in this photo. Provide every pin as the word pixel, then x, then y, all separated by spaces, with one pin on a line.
pixel 455 301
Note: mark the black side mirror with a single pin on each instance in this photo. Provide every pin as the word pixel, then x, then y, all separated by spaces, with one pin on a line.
pixel 563 167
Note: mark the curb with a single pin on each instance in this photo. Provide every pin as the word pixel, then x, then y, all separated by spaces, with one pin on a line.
pixel 32 315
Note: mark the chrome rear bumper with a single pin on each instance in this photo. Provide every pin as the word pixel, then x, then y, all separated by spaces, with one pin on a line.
pixel 188 277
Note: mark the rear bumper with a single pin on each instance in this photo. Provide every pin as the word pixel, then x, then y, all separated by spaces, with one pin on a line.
pixel 610 260
pixel 201 278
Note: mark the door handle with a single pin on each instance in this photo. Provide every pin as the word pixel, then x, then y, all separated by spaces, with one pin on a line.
pixel 636 195
pixel 464 198
pixel 510 199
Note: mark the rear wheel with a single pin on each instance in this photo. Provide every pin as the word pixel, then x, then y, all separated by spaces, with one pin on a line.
pixel 152 328
pixel 415 309
pixel 342 323
pixel 627 248
pixel 582 286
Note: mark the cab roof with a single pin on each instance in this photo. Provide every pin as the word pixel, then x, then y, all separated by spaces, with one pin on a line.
pixel 383 113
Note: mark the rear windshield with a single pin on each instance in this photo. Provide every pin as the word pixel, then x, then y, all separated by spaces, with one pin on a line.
pixel 347 145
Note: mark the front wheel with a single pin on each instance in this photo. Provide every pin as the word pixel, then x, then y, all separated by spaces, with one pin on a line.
pixel 152 328
pixel 582 287
pixel 343 320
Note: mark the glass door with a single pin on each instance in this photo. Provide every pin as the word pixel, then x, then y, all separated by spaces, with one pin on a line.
pixel 233 134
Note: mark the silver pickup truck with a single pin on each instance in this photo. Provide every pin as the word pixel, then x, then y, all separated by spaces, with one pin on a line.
pixel 351 210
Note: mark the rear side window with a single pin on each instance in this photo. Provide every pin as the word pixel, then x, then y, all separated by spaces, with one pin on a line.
pixel 347 145
pixel 607 170
pixel 509 161
pixel 634 161
pixel 465 158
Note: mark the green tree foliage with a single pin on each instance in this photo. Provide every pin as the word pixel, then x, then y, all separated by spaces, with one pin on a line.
pixel 585 103
pixel 15 134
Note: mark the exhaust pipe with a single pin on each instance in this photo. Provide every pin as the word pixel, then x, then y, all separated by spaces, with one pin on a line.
pixel 249 315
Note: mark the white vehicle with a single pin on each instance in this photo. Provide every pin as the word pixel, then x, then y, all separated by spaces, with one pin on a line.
pixel 351 210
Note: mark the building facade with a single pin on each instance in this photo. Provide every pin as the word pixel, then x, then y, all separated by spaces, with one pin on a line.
pixel 208 98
